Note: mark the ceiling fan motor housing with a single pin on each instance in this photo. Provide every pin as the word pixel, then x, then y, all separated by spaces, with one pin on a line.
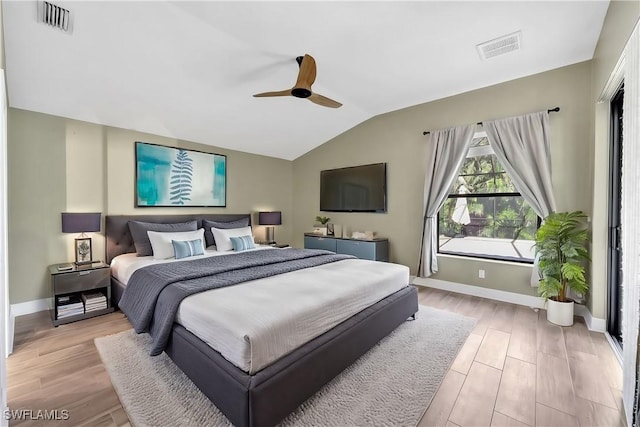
pixel 300 92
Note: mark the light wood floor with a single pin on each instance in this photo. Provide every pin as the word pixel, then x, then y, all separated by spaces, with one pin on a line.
pixel 60 368
pixel 515 369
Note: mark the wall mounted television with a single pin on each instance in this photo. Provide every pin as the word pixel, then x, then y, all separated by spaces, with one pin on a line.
pixel 354 189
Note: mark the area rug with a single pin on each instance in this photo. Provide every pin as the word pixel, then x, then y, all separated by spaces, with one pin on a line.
pixel 392 384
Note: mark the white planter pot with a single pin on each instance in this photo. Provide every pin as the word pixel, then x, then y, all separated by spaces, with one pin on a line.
pixel 560 313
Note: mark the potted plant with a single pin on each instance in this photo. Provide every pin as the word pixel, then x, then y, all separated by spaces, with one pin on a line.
pixel 562 255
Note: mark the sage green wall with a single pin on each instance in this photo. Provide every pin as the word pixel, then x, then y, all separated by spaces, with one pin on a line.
pixel 622 17
pixel 36 196
pixel 396 138
pixel 60 165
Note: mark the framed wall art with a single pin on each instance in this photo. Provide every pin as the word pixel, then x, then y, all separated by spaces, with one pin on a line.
pixel 168 176
pixel 330 229
pixel 83 250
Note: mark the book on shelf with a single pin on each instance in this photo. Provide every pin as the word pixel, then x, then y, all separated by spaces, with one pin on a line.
pixel 69 305
pixel 96 307
pixel 62 315
pixel 69 300
pixel 94 301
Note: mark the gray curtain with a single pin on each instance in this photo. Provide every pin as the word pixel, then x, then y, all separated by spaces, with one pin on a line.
pixel 521 145
pixel 446 152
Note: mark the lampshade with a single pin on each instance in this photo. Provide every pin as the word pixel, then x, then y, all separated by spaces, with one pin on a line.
pixel 270 218
pixel 80 222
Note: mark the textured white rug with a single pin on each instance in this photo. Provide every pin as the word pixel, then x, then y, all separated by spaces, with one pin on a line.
pixel 392 384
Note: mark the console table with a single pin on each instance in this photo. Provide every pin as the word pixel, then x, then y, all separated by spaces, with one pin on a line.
pixel 375 250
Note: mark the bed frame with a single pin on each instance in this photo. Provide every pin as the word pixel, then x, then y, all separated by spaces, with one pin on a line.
pixel 266 397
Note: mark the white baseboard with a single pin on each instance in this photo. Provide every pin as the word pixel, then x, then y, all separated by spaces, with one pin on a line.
pixel 11 327
pixel 593 323
pixel 478 291
pixel 29 307
pixel 20 309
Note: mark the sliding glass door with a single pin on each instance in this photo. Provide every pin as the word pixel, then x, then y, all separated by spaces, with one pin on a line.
pixel 614 289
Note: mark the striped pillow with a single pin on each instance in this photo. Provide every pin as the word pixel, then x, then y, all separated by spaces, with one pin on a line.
pixel 184 248
pixel 242 243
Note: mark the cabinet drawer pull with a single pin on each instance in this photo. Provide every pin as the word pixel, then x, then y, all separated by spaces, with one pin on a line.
pixel 84 273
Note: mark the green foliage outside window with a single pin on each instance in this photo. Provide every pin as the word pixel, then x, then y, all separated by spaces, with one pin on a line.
pixel 495 208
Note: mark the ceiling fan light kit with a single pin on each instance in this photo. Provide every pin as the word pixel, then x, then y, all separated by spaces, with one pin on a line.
pixel 302 88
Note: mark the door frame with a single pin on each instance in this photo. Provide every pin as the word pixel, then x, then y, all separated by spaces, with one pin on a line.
pixel 614 261
pixel 6 332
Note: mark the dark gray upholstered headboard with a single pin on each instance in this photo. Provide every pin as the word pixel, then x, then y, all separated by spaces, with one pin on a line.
pixel 119 239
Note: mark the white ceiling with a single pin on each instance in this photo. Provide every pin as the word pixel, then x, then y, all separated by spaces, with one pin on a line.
pixel 187 70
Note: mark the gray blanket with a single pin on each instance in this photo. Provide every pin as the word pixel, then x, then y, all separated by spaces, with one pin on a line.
pixel 153 294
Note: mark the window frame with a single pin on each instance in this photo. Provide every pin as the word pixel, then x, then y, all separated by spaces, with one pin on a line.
pixel 476 136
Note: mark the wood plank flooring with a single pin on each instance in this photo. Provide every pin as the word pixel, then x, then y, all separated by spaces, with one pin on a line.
pixel 515 369
pixel 60 368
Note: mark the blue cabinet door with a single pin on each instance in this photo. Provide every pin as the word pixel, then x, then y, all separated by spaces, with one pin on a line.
pixel 326 243
pixel 375 251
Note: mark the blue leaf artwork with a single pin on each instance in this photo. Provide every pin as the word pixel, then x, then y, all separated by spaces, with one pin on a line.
pixel 167 176
pixel 181 178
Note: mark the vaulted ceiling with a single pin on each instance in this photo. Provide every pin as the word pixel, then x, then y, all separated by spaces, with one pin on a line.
pixel 188 70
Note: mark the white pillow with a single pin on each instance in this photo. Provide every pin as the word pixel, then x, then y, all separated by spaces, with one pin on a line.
pixel 223 237
pixel 161 242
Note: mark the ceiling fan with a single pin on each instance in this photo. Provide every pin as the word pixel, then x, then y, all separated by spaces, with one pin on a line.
pixel 302 88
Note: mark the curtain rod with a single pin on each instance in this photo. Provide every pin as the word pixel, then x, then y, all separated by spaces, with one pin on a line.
pixel 552 110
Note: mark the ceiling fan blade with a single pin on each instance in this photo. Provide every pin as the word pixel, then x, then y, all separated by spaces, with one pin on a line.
pixel 286 92
pixel 307 73
pixel 324 101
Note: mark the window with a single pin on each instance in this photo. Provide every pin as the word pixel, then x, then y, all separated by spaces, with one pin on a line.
pixel 484 215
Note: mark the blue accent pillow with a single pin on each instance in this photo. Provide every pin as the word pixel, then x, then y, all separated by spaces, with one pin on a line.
pixel 242 243
pixel 184 248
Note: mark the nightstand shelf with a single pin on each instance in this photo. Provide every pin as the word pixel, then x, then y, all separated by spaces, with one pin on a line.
pixel 91 278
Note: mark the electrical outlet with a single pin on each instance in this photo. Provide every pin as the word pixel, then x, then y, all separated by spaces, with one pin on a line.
pixel 481 274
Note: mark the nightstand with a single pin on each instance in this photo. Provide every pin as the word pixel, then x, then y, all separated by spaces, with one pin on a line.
pixel 68 287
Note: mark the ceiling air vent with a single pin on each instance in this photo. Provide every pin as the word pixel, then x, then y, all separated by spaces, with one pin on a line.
pixel 499 46
pixel 54 15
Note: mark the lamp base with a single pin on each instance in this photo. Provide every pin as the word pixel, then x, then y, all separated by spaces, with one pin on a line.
pixel 269 235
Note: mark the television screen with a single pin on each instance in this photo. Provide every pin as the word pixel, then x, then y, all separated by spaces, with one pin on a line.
pixel 354 189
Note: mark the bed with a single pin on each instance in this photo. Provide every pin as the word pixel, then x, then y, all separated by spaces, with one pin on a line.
pixel 264 396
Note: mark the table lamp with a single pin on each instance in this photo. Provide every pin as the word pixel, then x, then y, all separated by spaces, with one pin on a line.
pixel 81 223
pixel 270 219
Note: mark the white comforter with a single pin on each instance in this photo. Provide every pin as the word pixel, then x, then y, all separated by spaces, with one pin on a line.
pixel 255 323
